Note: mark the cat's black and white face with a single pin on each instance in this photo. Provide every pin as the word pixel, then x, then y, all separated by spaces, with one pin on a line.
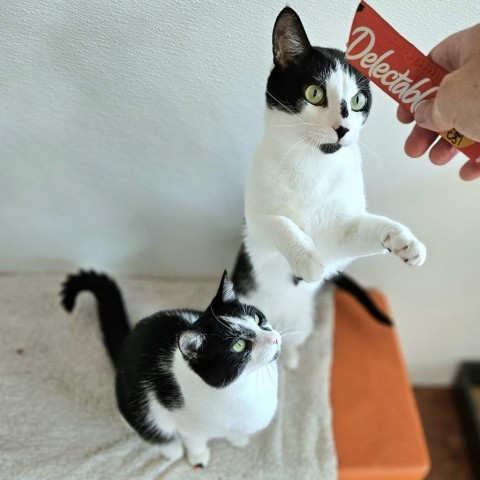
pixel 312 92
pixel 228 339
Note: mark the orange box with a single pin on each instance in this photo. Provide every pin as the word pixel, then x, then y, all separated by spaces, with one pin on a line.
pixel 376 423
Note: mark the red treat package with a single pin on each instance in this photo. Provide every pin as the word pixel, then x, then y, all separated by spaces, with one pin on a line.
pixel 399 69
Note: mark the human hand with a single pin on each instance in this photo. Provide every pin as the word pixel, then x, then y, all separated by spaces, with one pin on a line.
pixel 457 104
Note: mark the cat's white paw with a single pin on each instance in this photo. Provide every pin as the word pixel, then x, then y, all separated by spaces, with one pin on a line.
pixel 307 265
pixel 173 450
pixel 239 440
pixel 405 245
pixel 290 358
pixel 198 459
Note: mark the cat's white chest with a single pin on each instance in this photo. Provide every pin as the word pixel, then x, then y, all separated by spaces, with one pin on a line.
pixel 247 405
pixel 313 191
pixel 253 400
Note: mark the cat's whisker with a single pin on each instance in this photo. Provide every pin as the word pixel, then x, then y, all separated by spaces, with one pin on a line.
pixel 291 327
pixel 369 149
pixel 240 308
pixel 272 371
pixel 288 328
pixel 220 321
pixel 269 373
pixel 289 134
pixel 285 332
pixel 286 108
pixel 294 333
pixel 321 81
pixel 264 373
pixel 278 325
pixel 293 124
pixel 267 183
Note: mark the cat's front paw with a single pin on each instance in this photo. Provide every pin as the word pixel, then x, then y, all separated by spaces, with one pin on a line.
pixel 307 264
pixel 173 450
pixel 198 459
pixel 405 245
pixel 239 440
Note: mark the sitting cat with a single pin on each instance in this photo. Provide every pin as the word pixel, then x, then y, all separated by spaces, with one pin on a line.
pixel 186 376
pixel 305 204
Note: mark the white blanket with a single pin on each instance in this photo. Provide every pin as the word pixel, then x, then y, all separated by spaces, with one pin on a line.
pixel 58 416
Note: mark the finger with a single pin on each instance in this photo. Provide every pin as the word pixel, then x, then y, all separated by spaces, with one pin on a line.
pixel 419 141
pixel 442 152
pixel 469 172
pixel 427 116
pixel 404 115
pixel 444 55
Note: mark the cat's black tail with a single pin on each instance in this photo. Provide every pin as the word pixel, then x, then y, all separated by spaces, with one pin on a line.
pixel 348 284
pixel 111 311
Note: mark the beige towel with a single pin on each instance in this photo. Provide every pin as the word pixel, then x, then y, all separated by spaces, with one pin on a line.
pixel 58 415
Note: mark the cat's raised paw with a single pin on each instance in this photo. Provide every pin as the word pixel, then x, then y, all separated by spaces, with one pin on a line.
pixel 198 460
pixel 405 245
pixel 308 265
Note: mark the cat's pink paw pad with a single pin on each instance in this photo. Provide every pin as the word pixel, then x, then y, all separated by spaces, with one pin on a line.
pixel 405 245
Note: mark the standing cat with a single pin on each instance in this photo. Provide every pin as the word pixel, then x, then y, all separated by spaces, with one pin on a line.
pixel 305 204
pixel 185 376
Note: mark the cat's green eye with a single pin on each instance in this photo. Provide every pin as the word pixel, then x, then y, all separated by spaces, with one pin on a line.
pixel 315 94
pixel 239 346
pixel 257 320
pixel 358 102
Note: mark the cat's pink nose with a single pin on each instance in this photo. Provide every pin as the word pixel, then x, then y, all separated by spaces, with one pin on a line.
pixel 270 338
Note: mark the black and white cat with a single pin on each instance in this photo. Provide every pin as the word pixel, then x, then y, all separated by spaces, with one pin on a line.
pixel 186 376
pixel 305 205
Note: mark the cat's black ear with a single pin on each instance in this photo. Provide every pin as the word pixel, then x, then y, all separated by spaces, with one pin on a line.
pixel 290 42
pixel 226 293
pixel 190 342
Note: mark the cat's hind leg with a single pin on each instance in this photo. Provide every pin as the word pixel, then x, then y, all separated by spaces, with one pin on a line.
pixel 290 357
pixel 172 450
pixel 238 440
pixel 295 319
pixel 286 301
pixel 198 453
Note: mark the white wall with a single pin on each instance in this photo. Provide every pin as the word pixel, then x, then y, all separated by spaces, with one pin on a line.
pixel 127 127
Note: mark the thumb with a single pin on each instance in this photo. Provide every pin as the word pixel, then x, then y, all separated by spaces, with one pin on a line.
pixel 427 116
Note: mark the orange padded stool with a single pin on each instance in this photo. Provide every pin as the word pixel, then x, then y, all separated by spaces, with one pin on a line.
pixel 376 424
